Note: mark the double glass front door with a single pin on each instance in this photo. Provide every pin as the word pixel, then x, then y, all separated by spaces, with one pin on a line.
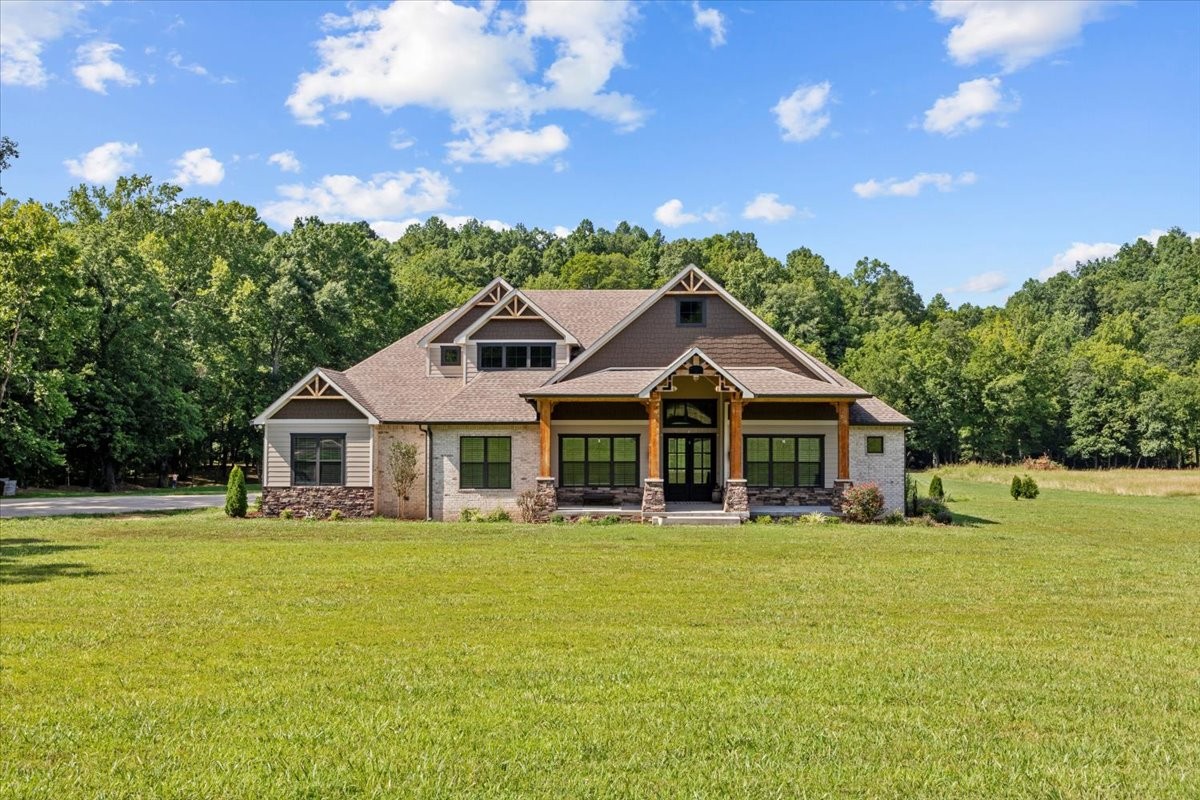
pixel 689 473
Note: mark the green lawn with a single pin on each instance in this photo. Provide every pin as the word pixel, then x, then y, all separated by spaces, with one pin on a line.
pixel 1049 649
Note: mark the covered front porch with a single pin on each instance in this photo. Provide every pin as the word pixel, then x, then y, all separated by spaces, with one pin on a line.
pixel 666 443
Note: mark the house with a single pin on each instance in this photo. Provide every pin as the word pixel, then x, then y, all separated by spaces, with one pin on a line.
pixel 625 400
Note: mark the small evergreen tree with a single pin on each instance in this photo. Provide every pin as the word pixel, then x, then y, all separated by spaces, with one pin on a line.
pixel 1017 488
pixel 235 493
pixel 1029 488
pixel 935 488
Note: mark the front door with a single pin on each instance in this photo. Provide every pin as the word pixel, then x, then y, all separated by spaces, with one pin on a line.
pixel 690 467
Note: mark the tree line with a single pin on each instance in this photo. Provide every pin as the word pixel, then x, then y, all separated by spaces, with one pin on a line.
pixel 143 330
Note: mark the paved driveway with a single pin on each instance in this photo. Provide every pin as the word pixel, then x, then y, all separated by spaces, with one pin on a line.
pixel 110 504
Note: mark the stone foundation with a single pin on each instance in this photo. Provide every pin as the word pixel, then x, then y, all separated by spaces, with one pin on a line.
pixel 737 498
pixel 618 495
pixel 654 497
pixel 797 496
pixel 318 501
pixel 545 501
pixel 840 487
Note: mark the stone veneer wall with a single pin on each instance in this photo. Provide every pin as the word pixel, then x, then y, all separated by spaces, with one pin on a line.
pixel 318 501
pixel 884 469
pixel 622 495
pixel 798 496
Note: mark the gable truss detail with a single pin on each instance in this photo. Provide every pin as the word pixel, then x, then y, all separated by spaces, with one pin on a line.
pixel 516 308
pixel 692 283
pixel 494 296
pixel 318 389
pixel 698 367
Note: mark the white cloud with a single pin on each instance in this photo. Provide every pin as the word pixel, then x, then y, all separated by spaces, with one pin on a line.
pixel 561 231
pixel 1015 32
pixel 1078 252
pixel 711 20
pixel 801 115
pixel 983 283
pixel 399 140
pixel 1155 234
pixel 893 187
pixel 965 109
pixel 383 197
pixel 198 166
pixel 506 146
pixel 103 164
pixel 96 66
pixel 177 62
pixel 672 215
pixel 26 28
pixel 411 54
pixel 768 208
pixel 394 230
pixel 286 160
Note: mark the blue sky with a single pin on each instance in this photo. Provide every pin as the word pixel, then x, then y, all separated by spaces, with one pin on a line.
pixel 971 145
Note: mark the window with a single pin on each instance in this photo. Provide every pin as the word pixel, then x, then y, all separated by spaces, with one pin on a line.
pixel 451 356
pixel 689 312
pixel 598 460
pixel 318 459
pixel 875 444
pixel 785 461
pixel 485 462
pixel 690 414
pixel 516 356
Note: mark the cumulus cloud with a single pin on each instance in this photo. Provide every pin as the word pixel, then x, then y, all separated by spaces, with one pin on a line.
pixel 198 167
pixel 1014 32
pixel 286 160
pixel 894 187
pixel 711 20
pixel 410 54
pixel 966 108
pixel 399 140
pixel 1078 253
pixel 561 231
pixel 96 66
pixel 672 215
pixel 105 163
pixel 802 115
pixel 394 230
pixel 983 283
pixel 381 199
pixel 768 208
pixel 26 27
pixel 507 146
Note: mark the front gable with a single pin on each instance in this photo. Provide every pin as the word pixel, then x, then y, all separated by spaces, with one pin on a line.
pixel 315 396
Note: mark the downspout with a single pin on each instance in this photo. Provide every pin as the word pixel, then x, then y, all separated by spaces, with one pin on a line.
pixel 428 471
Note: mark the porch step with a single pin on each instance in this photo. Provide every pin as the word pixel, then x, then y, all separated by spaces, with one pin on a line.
pixel 693 518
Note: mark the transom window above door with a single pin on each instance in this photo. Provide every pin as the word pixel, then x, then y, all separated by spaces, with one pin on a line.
pixel 690 413
pixel 516 356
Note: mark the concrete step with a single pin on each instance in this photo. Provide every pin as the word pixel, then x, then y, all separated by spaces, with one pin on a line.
pixel 717 518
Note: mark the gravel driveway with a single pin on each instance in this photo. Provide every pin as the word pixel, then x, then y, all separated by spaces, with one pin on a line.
pixel 110 504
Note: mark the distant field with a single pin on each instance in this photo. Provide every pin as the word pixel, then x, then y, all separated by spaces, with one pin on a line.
pixel 1047 649
pixel 1138 482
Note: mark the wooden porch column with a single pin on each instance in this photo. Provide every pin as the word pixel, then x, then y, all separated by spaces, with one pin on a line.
pixel 843 412
pixel 545 409
pixel 653 457
pixel 735 438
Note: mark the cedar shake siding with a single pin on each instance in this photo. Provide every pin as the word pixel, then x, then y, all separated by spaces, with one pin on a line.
pixel 461 324
pixel 654 340
pixel 318 409
pixel 516 330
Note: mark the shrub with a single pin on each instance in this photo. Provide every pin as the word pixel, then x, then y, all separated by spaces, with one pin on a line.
pixel 862 503
pixel 1043 462
pixel 1029 488
pixel 527 505
pixel 258 501
pixel 558 519
pixel 586 519
pixel 402 467
pixel 894 518
pixel 469 514
pixel 1017 488
pixel 763 519
pixel 610 519
pixel 235 493
pixel 336 515
pixel 935 488
pixel 910 494
pixel 816 518
pixel 287 513
pixel 929 507
pixel 498 515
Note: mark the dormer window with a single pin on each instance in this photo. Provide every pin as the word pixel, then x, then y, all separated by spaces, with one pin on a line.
pixel 690 312
pixel 451 356
pixel 516 356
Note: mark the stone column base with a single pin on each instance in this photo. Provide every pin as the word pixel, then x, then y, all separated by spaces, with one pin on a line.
pixel 737 499
pixel 545 501
pixel 654 497
pixel 839 490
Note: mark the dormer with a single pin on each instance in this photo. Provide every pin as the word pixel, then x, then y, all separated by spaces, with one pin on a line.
pixel 514 334
pixel 445 357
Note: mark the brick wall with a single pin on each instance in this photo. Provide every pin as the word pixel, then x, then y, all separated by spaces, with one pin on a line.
pixel 885 469
pixel 449 499
pixel 387 502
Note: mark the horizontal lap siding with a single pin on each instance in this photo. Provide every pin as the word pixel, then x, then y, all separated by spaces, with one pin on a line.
pixel 516 330
pixel 279 449
pixel 318 409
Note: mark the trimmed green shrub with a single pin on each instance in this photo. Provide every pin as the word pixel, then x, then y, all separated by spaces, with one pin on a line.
pixel 1017 488
pixel 862 503
pixel 586 519
pixel 287 513
pixel 610 519
pixel 336 515
pixel 558 519
pixel 469 514
pixel 935 488
pixel 894 518
pixel 910 494
pixel 235 493
pixel 763 519
pixel 1029 488
pixel 257 506
pixel 499 515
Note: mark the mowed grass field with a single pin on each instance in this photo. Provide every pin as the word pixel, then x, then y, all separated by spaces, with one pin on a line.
pixel 1046 649
pixel 1135 482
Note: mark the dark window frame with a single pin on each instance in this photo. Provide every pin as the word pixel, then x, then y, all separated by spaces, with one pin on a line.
pixel 871 440
pixel 612 460
pixel 701 303
pixel 453 350
pixel 705 405
pixel 486 483
pixel 796 461
pixel 507 347
pixel 340 437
